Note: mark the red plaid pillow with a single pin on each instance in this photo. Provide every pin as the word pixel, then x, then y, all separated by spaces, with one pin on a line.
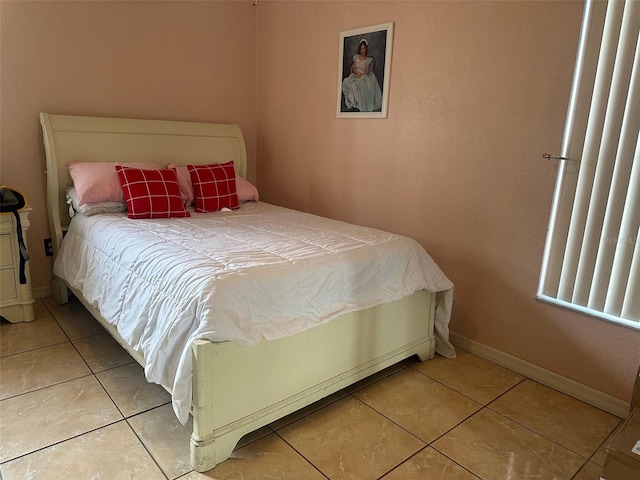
pixel 214 186
pixel 151 193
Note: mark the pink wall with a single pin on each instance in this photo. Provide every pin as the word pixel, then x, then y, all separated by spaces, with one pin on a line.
pixel 478 91
pixel 190 61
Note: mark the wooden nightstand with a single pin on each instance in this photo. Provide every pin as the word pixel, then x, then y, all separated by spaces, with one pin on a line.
pixel 16 299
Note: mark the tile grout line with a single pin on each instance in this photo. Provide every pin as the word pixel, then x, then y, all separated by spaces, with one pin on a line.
pixel 126 420
pixel 94 375
pixel 59 442
pixel 124 417
pixel 298 452
pixel 426 444
pixel 588 458
pixel 487 406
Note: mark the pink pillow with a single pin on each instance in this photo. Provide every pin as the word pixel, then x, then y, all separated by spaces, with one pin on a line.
pixel 98 181
pixel 184 181
pixel 214 186
pixel 245 190
pixel 151 193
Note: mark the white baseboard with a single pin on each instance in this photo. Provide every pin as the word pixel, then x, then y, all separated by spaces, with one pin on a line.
pixel 41 292
pixel 582 392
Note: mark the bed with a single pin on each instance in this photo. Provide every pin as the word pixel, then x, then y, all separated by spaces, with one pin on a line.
pixel 234 379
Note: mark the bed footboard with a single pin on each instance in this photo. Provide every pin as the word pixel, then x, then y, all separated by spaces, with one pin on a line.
pixel 238 389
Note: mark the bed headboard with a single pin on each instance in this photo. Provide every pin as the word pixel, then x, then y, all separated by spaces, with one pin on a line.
pixel 99 139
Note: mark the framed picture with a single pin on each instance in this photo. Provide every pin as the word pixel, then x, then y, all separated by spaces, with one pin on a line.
pixel 363 71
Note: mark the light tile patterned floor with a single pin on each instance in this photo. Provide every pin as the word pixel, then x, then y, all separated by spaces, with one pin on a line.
pixel 74 405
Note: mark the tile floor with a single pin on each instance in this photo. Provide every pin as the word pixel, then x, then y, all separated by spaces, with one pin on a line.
pixel 74 405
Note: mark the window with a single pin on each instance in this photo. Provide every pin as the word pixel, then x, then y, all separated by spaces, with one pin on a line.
pixel 591 260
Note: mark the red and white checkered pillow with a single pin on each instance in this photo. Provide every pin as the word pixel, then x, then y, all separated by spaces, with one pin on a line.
pixel 214 186
pixel 151 193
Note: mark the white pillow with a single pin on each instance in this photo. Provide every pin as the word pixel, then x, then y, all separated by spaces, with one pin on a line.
pixel 89 209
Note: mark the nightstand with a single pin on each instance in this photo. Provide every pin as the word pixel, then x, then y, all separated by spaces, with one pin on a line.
pixel 16 299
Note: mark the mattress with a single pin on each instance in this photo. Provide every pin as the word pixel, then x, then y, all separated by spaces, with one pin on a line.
pixel 258 273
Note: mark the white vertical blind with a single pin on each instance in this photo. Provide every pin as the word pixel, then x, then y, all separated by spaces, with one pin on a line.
pixel 592 259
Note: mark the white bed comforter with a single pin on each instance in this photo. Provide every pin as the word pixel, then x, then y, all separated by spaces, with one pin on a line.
pixel 260 272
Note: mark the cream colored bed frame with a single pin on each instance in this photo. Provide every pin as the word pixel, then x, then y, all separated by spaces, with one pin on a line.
pixel 236 389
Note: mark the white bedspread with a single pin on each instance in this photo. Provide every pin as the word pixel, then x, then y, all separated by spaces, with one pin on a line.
pixel 260 272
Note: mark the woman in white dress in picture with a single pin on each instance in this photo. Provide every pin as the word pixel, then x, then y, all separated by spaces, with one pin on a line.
pixel 361 89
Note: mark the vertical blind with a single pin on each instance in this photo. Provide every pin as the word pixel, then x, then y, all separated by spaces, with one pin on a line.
pixel 591 259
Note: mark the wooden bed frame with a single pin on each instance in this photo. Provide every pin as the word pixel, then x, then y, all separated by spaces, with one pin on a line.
pixel 236 389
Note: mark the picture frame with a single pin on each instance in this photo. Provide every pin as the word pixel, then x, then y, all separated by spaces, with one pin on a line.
pixel 363 85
